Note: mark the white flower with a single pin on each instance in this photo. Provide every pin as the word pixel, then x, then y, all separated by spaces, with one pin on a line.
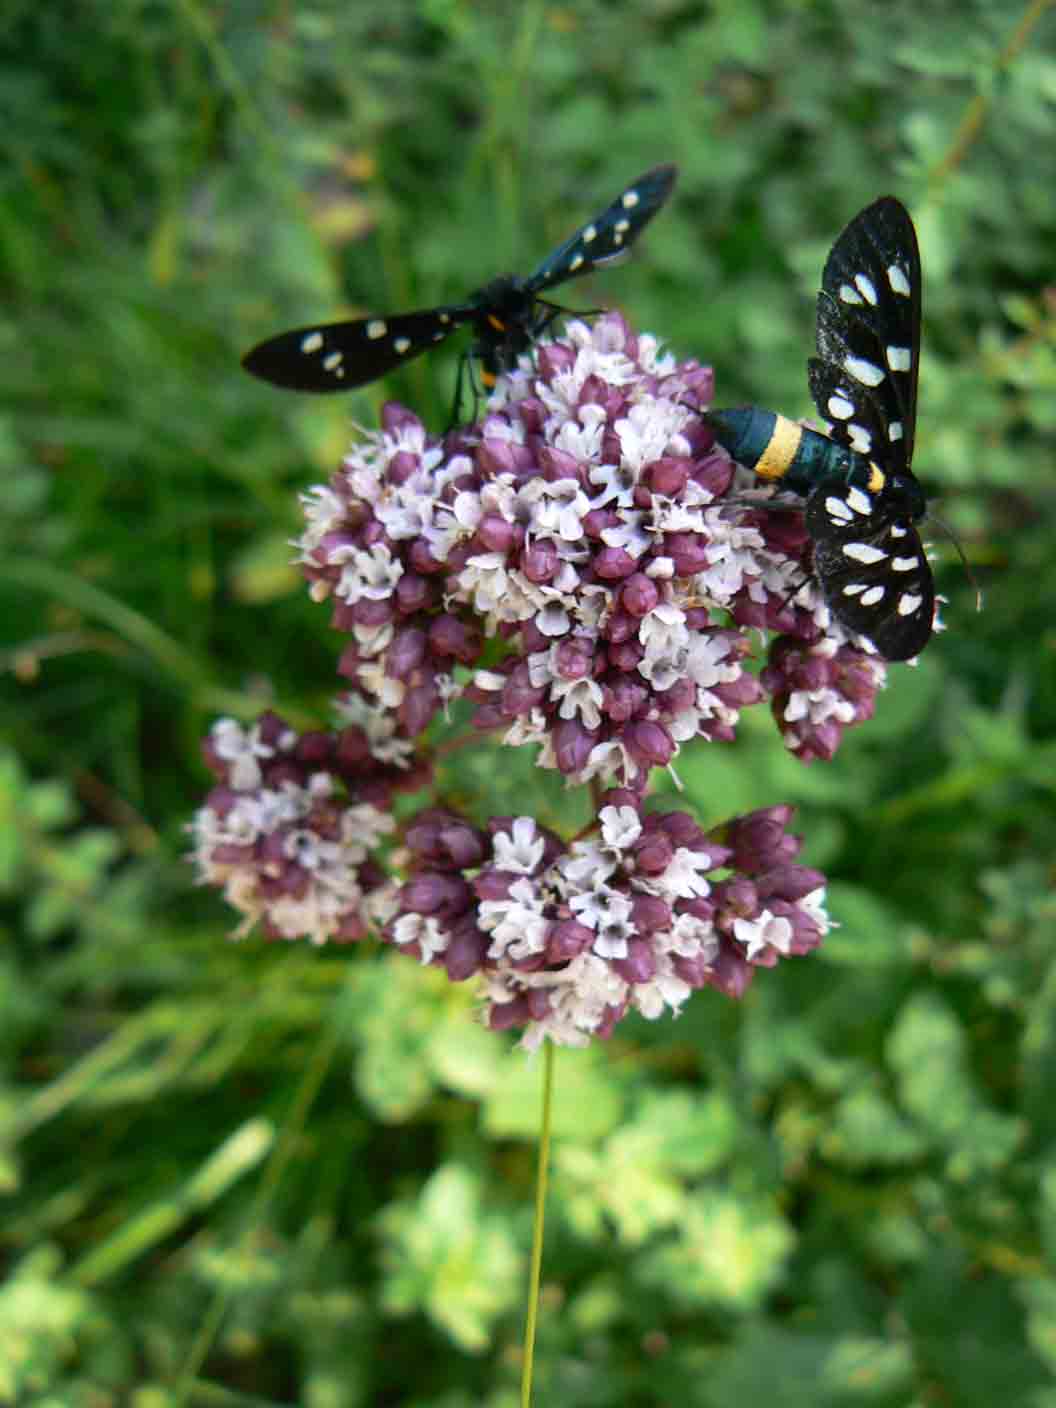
pixel 765 931
pixel 620 827
pixel 521 848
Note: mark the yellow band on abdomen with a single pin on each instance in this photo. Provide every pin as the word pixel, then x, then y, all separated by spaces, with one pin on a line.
pixel 781 449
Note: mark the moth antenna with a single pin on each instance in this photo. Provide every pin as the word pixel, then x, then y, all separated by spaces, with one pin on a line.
pixel 941 523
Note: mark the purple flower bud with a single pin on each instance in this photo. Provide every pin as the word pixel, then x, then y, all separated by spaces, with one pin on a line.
pixel 639 594
pixel 558 464
pixel 649 742
pixel 623 698
pixel 688 551
pixel 406 652
pixel 466 951
pixel 540 561
pixel 502 1016
pixel 554 357
pixel 572 745
pixel 421 558
pixel 736 898
pixel 519 695
pixel 372 613
pixel 678 699
pixel 315 749
pixel 533 414
pixel 653 853
pixel 414 593
pixel 495 457
pixel 597 520
pixel 789 882
pixel 402 466
pixel 731 973
pixel 669 476
pixel 740 693
pixel 759 840
pixel 566 939
pixel 640 964
pixel 714 474
pixel 419 704
pixel 574 658
pixel 627 656
pixel 697 970
pixel 650 913
pixel 611 564
pixel 681 829
pixel 448 636
pixel 395 417
pixel 620 627
pixel 495 533
pixel 432 892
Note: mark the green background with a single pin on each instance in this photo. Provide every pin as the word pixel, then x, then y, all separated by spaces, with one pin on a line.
pixel 260 1175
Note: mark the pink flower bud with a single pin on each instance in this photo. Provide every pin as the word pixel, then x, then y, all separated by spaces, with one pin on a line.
pixel 639 594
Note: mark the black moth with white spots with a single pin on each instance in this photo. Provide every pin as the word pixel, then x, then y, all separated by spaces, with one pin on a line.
pixel 507 315
pixel 862 498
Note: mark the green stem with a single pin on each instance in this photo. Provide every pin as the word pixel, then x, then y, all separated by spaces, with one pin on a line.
pixel 975 114
pixel 541 1176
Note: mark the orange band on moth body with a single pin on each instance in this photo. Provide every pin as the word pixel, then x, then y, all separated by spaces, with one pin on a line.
pixel 776 459
pixel 496 323
pixel 877 478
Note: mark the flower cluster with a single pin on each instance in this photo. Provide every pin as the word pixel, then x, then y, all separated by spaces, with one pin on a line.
pixel 289 830
pixel 571 938
pixel 588 524
pixel 594 576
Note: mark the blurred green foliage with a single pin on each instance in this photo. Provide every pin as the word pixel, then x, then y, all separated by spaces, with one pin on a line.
pixel 262 1175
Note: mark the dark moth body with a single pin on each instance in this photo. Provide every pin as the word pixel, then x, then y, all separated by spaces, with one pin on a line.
pixel 506 315
pixel 862 499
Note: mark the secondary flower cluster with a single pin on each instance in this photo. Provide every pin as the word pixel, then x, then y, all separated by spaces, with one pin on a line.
pixel 289 830
pixel 588 524
pixel 571 938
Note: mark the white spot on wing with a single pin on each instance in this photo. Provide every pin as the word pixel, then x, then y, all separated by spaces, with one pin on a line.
pixel 897 532
pixel 894 430
pixel 865 287
pixel 904 564
pixel 849 294
pixel 840 408
pixel 377 327
pixel 864 371
pixel 897 279
pixel 873 596
pixel 898 359
pixel 590 233
pixel 312 342
pixel 333 363
pixel 630 199
pixel 402 345
pixel 860 501
pixel 908 603
pixel 854 588
pixel 864 553
pixel 575 263
pixel 861 439
pixel 837 510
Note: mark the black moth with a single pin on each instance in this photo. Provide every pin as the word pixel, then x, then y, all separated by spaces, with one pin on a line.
pixel 862 499
pixel 507 315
